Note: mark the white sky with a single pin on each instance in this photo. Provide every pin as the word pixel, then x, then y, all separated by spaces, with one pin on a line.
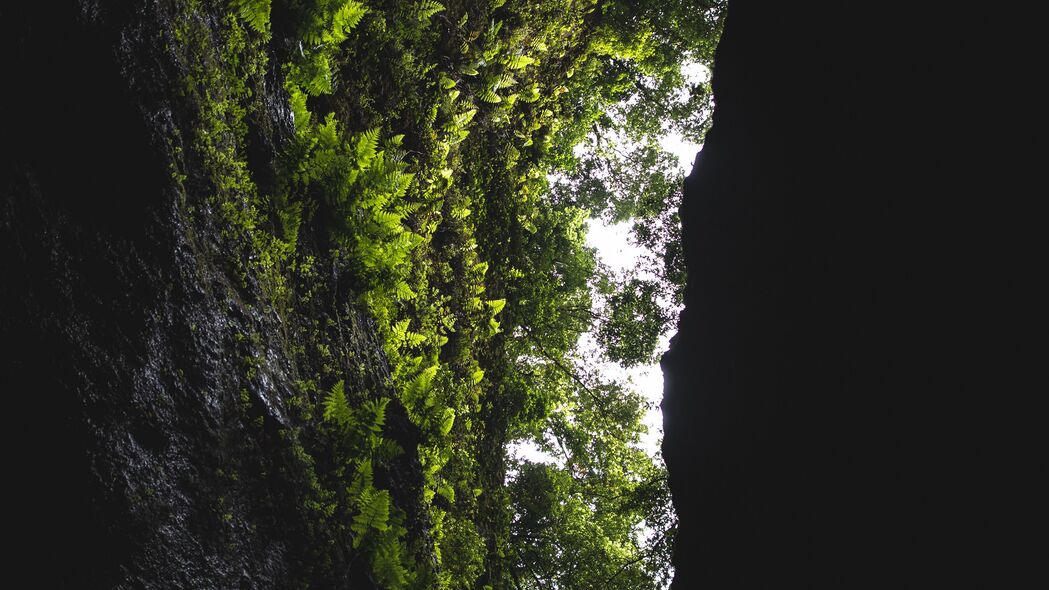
pixel 615 250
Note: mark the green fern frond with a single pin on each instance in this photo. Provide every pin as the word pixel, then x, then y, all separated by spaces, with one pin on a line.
pixel 374 506
pixel 387 566
pixel 389 220
pixel 447 421
pixel 300 113
pixel 414 338
pixel 367 142
pixel 345 19
pixel 375 411
pixel 460 213
pixel 403 291
pixel 399 330
pixel 419 388
pixel 488 95
pixel 537 45
pixel 254 12
pixel 336 408
pixel 463 118
pixel 427 8
pixel 505 81
pixel 519 62
pixel 447 491
pixel 496 305
pixel 362 479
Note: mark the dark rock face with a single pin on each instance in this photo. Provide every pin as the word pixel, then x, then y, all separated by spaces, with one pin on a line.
pixel 153 436
pixel 818 400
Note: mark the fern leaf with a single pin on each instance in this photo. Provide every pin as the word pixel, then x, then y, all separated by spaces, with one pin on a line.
pixel 447 420
pixel 399 330
pixel 367 142
pixel 374 506
pixel 447 491
pixel 476 376
pixel 375 410
pixel 496 305
pixel 488 95
pixel 427 8
pixel 388 220
pixel 254 12
pixel 387 566
pixel 403 291
pixel 465 117
pixel 519 62
pixel 362 479
pixel 345 19
pixel 300 113
pixel 336 408
pixel 505 81
pixel 414 338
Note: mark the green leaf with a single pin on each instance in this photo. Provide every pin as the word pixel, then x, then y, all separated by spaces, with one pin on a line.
pixel 336 408
pixel 518 62
pixel 496 305
pixel 447 420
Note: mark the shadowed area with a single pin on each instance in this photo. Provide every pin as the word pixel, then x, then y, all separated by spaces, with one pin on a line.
pixel 817 392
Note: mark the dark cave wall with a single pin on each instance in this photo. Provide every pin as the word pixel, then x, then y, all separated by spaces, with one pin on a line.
pixel 155 404
pixel 818 395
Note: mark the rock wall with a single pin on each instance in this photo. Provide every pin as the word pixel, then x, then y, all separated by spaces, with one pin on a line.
pixel 820 422
pixel 154 401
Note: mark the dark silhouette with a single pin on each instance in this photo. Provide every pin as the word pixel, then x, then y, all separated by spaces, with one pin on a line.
pixel 819 422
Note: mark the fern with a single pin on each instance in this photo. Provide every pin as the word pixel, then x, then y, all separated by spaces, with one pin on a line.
pixel 519 62
pixel 375 410
pixel 336 408
pixel 367 142
pixel 254 12
pixel 344 20
pixel 447 421
pixel 387 564
pixel 374 506
pixel 362 479
pixel 488 95
pixel 505 81
pixel 403 291
pixel 300 113
pixel 496 305
pixel 447 491
pixel 427 8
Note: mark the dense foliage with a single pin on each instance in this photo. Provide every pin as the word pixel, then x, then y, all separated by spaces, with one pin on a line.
pixel 446 158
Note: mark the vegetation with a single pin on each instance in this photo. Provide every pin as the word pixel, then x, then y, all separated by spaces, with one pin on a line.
pixel 446 158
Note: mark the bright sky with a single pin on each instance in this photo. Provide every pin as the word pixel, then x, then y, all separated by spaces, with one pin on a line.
pixel 614 249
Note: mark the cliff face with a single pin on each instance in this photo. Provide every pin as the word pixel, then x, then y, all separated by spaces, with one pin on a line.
pixel 154 404
pixel 819 395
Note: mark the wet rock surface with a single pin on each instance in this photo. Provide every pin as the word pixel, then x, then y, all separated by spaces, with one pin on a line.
pixel 155 407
